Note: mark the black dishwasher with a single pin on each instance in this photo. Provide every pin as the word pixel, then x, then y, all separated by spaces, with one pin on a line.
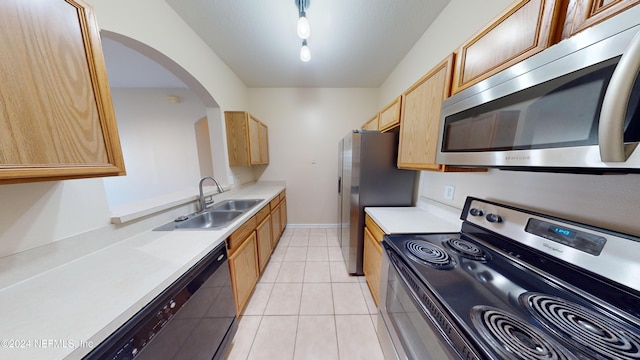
pixel 194 318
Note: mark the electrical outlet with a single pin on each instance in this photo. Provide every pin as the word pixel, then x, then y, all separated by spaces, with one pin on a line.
pixel 448 192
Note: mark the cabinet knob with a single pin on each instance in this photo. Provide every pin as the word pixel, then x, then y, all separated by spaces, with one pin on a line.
pixel 476 212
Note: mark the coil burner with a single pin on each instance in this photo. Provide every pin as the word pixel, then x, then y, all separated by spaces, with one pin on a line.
pixel 467 249
pixel 583 328
pixel 514 338
pixel 429 254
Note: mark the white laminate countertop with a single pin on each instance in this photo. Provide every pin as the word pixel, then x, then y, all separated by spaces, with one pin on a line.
pixel 66 311
pixel 405 220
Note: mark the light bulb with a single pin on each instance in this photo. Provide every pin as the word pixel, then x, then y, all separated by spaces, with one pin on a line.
pixel 305 53
pixel 304 30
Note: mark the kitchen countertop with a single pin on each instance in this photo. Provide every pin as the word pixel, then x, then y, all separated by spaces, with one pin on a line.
pixel 67 310
pixel 425 218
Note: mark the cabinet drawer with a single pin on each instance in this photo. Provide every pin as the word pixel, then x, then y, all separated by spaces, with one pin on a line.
pixel 262 214
pixel 375 230
pixel 241 234
pixel 274 203
pixel 282 195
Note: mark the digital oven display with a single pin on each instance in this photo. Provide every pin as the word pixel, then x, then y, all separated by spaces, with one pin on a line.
pixel 589 243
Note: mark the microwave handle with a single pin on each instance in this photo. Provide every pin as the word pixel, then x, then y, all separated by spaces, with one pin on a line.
pixel 615 102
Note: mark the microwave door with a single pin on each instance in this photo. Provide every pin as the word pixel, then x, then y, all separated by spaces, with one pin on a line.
pixel 616 103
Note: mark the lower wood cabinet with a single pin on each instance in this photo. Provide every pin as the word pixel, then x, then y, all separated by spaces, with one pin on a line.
pixel 244 269
pixel 278 217
pixel 283 216
pixel 275 225
pixel 372 263
pixel 372 259
pixel 263 238
pixel 251 245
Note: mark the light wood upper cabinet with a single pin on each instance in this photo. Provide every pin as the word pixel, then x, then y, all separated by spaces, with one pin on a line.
pixel 421 109
pixel 390 115
pixel 247 139
pixel 582 14
pixel 372 124
pixel 57 119
pixel 522 30
pixel 263 134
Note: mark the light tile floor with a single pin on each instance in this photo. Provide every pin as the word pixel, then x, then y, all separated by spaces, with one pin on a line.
pixel 306 306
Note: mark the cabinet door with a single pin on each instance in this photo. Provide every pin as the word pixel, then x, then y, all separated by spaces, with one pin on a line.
pixel 264 144
pixel 243 265
pixel 522 30
pixel 372 124
pixel 57 119
pixel 372 260
pixel 275 226
pixel 390 115
pixel 419 127
pixel 237 124
pixel 254 141
pixel 263 237
pixel 582 14
pixel 283 215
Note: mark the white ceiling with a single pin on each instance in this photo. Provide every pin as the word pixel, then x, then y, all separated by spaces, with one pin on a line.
pixel 354 43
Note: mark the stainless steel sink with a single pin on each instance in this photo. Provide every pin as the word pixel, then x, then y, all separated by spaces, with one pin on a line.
pixel 236 204
pixel 208 220
pixel 217 216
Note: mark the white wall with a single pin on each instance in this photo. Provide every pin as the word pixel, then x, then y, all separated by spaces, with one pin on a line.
pixel 305 126
pixel 609 201
pixel 158 143
pixel 460 20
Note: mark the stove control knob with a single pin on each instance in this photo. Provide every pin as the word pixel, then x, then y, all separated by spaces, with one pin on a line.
pixel 493 218
pixel 476 212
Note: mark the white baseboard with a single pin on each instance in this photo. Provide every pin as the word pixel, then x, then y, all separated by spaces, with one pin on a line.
pixel 312 226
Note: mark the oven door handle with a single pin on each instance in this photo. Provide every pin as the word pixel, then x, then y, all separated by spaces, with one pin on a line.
pixel 615 103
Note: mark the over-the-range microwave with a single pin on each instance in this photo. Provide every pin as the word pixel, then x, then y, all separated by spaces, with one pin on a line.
pixel 574 107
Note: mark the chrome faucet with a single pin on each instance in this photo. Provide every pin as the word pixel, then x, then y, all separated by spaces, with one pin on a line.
pixel 203 203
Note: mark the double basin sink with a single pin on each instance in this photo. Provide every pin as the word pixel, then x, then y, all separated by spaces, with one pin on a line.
pixel 218 216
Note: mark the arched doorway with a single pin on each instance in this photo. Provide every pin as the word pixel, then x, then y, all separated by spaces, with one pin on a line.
pixel 162 114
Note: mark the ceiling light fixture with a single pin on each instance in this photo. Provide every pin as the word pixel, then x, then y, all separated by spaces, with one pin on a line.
pixel 305 53
pixel 304 30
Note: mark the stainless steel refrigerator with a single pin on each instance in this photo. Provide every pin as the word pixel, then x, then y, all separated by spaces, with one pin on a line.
pixel 367 176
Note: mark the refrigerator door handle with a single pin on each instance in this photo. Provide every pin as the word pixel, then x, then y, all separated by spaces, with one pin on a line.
pixel 339 184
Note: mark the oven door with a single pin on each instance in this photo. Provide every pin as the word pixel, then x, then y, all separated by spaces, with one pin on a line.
pixel 413 331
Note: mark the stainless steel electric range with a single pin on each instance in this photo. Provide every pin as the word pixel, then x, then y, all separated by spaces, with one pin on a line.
pixel 513 284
